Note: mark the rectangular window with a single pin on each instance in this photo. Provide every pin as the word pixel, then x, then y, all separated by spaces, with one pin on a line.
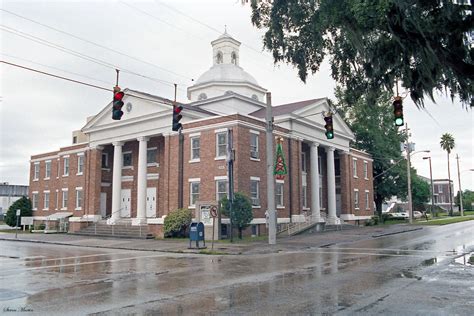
pixel 303 162
pixel 305 196
pixel 78 199
pixel 127 159
pixel 356 199
pixel 80 164
pixel 151 155
pixel 46 201
pixel 254 146
pixel 105 160
pixel 221 144
pixel 195 148
pixel 367 206
pixel 34 201
pixel 320 168
pixel 47 173
pixel 221 189
pixel 255 192
pixel 440 188
pixel 64 201
pixel 354 167
pixel 279 194
pixel 366 170
pixel 66 166
pixel 194 193
pixel 36 171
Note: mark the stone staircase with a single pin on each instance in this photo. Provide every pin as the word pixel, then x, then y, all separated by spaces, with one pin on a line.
pixel 312 226
pixel 119 230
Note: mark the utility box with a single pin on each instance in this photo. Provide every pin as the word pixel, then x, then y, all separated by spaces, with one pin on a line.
pixel 196 233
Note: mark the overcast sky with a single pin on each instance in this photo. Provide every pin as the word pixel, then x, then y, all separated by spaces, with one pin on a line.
pixel 165 41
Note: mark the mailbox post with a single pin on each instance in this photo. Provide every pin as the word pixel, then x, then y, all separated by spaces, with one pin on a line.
pixel 196 233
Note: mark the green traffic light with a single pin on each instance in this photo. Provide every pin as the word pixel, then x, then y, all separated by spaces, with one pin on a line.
pixel 329 135
pixel 399 121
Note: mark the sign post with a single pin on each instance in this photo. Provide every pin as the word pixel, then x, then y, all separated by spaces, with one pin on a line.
pixel 213 211
pixel 18 212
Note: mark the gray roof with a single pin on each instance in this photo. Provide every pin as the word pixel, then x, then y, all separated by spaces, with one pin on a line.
pixel 285 108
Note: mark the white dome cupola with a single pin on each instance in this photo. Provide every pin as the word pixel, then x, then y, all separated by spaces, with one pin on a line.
pixel 225 76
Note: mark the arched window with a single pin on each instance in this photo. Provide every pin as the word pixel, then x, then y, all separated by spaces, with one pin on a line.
pixel 234 58
pixel 219 58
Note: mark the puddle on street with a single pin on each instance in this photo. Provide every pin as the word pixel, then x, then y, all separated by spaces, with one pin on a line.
pixel 467 259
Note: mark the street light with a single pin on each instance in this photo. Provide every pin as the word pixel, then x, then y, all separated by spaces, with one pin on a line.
pixel 432 188
pixel 410 201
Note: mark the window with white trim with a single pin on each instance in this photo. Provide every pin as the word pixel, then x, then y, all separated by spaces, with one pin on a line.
pixel 34 200
pixel 366 170
pixel 78 199
pixel 195 148
pixel 254 146
pixel 367 206
pixel 221 189
pixel 354 167
pixel 255 192
pixel 305 196
pixel 80 164
pixel 47 169
pixel 356 199
pixel 46 201
pixel 127 159
pixel 66 166
pixel 151 155
pixel 303 162
pixel 194 193
pixel 279 194
pixel 105 160
pixel 320 168
pixel 64 200
pixel 36 171
pixel 221 144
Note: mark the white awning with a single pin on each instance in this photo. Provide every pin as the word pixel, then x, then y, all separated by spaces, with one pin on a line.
pixel 60 215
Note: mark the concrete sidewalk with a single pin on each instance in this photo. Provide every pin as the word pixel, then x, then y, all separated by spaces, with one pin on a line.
pixel 295 243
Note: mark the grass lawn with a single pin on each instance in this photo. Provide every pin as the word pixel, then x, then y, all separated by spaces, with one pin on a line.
pixel 445 221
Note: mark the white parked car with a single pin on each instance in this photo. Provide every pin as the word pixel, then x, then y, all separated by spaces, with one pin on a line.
pixel 399 215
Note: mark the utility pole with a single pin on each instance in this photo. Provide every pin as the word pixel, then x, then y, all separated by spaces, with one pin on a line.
pixel 272 220
pixel 407 144
pixel 460 191
pixel 432 187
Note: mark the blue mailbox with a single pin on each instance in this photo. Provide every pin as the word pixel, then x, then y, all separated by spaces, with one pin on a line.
pixel 196 233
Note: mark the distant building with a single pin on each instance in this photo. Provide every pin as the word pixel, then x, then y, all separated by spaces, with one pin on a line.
pixel 9 193
pixel 441 193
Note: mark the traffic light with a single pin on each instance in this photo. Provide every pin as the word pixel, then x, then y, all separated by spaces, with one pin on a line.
pixel 398 111
pixel 117 104
pixel 328 126
pixel 177 117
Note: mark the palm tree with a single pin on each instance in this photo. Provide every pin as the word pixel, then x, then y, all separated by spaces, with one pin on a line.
pixel 447 143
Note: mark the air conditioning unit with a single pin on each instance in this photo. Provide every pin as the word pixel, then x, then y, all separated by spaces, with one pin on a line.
pixel 255 202
pixel 254 154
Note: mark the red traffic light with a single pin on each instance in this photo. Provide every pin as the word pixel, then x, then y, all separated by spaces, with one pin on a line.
pixel 119 96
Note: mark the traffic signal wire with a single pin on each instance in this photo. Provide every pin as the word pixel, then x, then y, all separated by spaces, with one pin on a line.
pixel 96 44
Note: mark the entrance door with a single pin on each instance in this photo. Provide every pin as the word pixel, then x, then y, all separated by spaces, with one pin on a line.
pixel 125 203
pixel 103 204
pixel 151 202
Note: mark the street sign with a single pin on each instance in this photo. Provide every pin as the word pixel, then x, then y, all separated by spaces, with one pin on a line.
pixel 18 212
pixel 213 211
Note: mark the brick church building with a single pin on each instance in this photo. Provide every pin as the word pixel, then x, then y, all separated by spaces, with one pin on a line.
pixel 127 170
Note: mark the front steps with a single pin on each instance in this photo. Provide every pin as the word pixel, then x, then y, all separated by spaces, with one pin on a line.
pixel 118 230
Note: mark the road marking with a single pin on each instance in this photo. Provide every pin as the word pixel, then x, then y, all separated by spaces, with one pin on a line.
pixel 390 249
pixel 66 258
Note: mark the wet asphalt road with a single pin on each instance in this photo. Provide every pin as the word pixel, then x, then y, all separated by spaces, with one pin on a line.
pixel 405 274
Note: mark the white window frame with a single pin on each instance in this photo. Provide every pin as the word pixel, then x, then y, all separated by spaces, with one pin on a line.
pixel 66 166
pixel 152 164
pixel 320 168
pixel 79 199
pixel 257 195
pixel 64 201
pixel 47 171
pixel 34 200
pixel 305 196
pixel 254 149
pixel 217 181
pixel 367 205
pixel 280 201
pixel 191 139
pixel 366 170
pixel 221 132
pixel 80 164
pixel 354 167
pixel 123 160
pixel 36 171
pixel 46 205
pixel 304 169
pixel 191 194
pixel 106 161
pixel 356 199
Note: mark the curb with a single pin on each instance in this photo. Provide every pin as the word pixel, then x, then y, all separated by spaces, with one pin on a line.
pixel 399 232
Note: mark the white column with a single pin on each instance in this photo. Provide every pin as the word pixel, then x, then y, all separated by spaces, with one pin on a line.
pixel 141 181
pixel 331 174
pixel 116 182
pixel 315 209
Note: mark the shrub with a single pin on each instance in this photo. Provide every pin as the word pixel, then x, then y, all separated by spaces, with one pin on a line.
pixel 241 210
pixel 374 220
pixel 177 222
pixel 24 205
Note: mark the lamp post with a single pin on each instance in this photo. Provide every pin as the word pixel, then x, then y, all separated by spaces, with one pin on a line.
pixel 432 188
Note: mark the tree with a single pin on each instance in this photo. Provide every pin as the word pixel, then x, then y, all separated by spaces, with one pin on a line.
pixel 376 134
pixel 241 210
pixel 420 192
pixel 467 199
pixel 24 205
pixel 426 45
pixel 177 222
pixel 447 143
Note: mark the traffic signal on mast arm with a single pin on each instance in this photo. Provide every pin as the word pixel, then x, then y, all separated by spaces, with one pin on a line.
pixel 177 117
pixel 328 126
pixel 117 104
pixel 398 111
